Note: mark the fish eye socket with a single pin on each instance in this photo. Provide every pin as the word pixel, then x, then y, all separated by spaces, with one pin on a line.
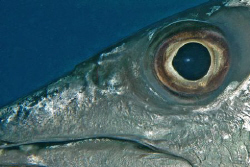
pixel 191 58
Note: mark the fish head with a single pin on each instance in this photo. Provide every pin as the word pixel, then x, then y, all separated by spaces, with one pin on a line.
pixel 123 101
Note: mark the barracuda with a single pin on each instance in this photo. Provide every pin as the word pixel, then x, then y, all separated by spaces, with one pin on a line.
pixel 112 110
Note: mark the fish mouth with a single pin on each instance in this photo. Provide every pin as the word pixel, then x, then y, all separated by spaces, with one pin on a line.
pixel 129 148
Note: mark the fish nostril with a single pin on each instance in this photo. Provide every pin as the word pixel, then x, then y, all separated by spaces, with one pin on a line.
pixel 192 61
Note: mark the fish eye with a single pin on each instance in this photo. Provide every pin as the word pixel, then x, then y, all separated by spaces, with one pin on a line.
pixel 191 57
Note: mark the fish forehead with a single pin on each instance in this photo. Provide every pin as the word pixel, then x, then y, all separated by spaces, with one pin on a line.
pixel 102 98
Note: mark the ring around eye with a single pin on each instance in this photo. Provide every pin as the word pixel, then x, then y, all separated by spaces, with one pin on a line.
pixel 192 58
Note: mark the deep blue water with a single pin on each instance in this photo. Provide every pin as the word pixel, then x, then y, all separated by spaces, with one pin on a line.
pixel 40 40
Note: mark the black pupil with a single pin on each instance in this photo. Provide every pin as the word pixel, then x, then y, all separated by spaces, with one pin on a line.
pixel 192 61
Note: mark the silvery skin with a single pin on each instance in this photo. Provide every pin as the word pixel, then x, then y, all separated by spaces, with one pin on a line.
pixel 112 110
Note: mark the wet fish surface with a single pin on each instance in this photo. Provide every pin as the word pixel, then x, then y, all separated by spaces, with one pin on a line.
pixel 116 109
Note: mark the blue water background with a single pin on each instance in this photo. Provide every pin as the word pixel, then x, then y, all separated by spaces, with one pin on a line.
pixel 40 40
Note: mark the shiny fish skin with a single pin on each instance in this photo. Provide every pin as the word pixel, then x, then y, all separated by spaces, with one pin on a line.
pixel 112 107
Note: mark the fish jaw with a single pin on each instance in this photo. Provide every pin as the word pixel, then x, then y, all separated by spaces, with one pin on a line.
pixel 217 133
